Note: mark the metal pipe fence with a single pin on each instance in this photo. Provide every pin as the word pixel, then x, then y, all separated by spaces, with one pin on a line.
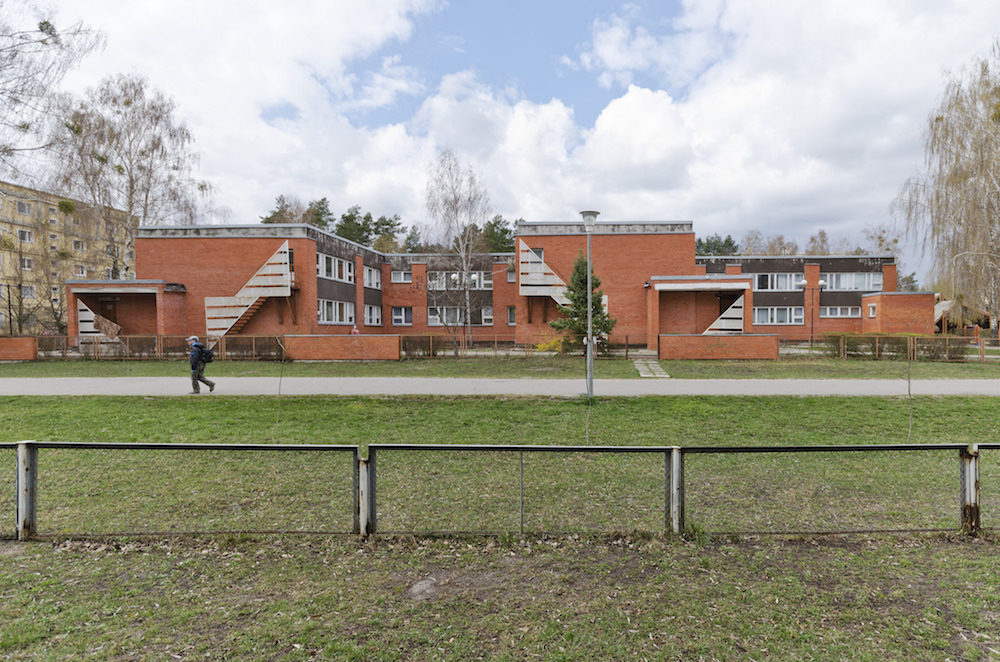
pixel 77 489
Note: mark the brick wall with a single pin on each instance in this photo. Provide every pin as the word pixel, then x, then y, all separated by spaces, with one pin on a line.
pixel 899 312
pixel 18 349
pixel 342 348
pixel 736 347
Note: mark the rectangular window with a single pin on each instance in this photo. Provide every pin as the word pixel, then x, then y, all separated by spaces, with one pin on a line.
pixel 373 278
pixel 80 271
pixel 25 208
pixel 27 263
pixel 78 245
pixel 511 315
pixel 511 276
pixel 871 310
pixel 840 311
pixel 444 316
pixel 27 291
pixel 26 236
pixel 765 315
pixel 781 282
pixel 335 312
pixel 373 315
pixel 334 268
pixel 401 277
pixel 487 316
pixel 402 315
pixel 867 281
pixel 436 280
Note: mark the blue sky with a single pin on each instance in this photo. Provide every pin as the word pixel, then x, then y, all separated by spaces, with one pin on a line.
pixel 783 116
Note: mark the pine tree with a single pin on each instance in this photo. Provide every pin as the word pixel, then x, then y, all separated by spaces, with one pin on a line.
pixel 574 324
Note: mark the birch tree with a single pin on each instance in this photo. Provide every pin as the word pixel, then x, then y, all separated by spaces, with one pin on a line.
pixel 952 208
pixel 123 152
pixel 459 203
pixel 35 55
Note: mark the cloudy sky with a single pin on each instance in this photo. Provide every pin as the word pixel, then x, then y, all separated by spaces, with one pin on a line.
pixel 782 116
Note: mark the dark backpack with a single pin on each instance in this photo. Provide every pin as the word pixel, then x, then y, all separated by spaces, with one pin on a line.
pixel 206 355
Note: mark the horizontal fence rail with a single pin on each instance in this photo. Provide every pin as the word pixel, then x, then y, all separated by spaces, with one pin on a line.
pixel 80 488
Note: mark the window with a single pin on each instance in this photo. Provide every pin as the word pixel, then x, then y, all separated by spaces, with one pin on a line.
pixel 27 291
pixel 53 237
pixel 454 280
pixel 26 236
pixel 778 315
pixel 373 315
pixel 27 263
pixel 111 249
pixel 401 277
pixel 870 281
pixel 487 316
pixel 402 315
pixel 335 312
pixel 871 310
pixel 80 271
pixel 511 315
pixel 109 273
pixel 777 282
pixel 25 208
pixel 444 316
pixel 840 311
pixel 511 276
pixel 540 252
pixel 78 245
pixel 334 268
pixel 373 278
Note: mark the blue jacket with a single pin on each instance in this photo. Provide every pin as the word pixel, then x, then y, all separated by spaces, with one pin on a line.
pixel 195 355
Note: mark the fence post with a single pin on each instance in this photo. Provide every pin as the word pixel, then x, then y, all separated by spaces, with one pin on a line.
pixel 27 484
pixel 969 488
pixel 675 489
pixel 368 510
pixel 363 497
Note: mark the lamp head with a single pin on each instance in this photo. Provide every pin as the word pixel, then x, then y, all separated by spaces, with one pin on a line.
pixel 589 219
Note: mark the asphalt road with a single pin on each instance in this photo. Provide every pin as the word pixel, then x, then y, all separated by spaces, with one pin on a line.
pixel 566 388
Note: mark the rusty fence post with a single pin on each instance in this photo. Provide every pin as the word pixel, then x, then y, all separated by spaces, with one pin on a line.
pixel 675 489
pixel 969 488
pixel 27 485
pixel 366 494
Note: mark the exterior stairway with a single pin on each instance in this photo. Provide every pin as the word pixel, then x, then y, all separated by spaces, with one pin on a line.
pixel 230 314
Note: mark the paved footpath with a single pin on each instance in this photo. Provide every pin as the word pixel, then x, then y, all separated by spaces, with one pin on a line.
pixel 566 388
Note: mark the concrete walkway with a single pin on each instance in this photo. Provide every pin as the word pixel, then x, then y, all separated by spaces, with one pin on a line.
pixel 566 388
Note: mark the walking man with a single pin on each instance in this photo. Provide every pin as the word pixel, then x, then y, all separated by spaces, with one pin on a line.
pixel 197 358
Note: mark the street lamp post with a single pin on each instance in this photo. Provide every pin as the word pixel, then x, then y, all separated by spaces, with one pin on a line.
pixel 589 220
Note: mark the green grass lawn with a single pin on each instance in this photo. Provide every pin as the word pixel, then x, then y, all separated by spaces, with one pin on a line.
pixel 535 367
pixel 629 595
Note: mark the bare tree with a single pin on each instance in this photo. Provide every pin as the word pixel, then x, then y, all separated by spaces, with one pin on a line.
pixel 34 57
pixel 952 208
pixel 123 153
pixel 754 243
pixel 459 203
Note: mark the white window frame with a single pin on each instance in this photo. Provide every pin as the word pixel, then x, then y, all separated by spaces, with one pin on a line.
pixel 777 282
pixel 401 277
pixel 79 245
pixel 334 268
pixel 373 278
pixel 80 271
pixel 26 236
pixel 27 291
pixel 778 315
pixel 853 281
pixel 839 311
pixel 373 315
pixel 25 208
pixel 511 315
pixel 487 316
pixel 871 310
pixel 27 263
pixel 400 315
pixel 330 311
pixel 445 316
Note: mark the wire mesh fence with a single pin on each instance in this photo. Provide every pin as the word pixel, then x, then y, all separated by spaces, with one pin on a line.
pixel 871 490
pixel 146 488
pixel 8 492
pixel 529 489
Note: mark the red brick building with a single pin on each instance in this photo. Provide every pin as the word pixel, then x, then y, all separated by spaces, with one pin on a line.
pixel 298 280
